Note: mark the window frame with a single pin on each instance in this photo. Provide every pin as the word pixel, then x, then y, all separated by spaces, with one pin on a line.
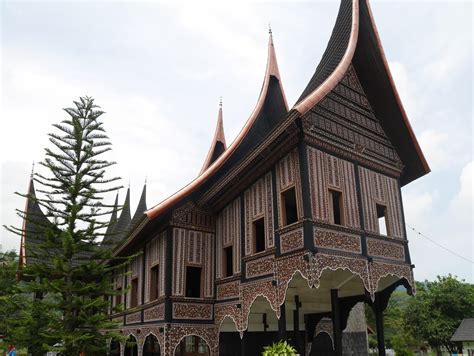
pixel 283 209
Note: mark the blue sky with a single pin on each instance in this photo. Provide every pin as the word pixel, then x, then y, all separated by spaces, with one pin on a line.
pixel 159 68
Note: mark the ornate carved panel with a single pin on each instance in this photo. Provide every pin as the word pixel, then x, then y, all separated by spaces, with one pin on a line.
pixel 209 265
pixel 190 216
pixel 291 240
pixel 259 204
pixel 287 176
pixel 179 240
pixel 134 318
pixel 321 262
pixel 385 249
pixel 259 267
pixel 228 234
pixel 228 290
pixel 155 255
pixel 193 248
pixel 231 310
pixel 329 172
pixel 344 118
pixel 285 269
pixel 337 240
pixel 156 312
pixel 379 189
pixel 192 311
pixel 250 291
pixel 136 271
pixel 379 270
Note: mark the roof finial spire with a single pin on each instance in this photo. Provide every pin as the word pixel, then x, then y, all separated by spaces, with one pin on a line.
pixel 146 179
pixel 269 28
pixel 32 169
pixel 220 101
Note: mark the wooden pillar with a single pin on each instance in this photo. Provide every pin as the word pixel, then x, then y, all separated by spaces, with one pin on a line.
pixel 378 310
pixel 243 343
pixel 282 323
pixel 296 325
pixel 336 323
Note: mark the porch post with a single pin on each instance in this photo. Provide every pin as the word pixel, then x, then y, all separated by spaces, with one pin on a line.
pixel 243 342
pixel 296 325
pixel 282 323
pixel 336 323
pixel 378 310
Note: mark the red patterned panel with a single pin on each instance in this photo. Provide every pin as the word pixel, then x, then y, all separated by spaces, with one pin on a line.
pixel 228 290
pixel 260 267
pixel 337 240
pixel 192 311
pixel 291 240
pixel 179 238
pixel 156 312
pixel 378 188
pixel 385 249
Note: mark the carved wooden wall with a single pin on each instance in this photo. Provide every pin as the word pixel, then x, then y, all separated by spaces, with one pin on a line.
pixel 193 248
pixel 155 256
pixel 228 234
pixel 345 119
pixel 328 172
pixel 380 189
pixel 259 204
pixel 287 176
pixel 136 270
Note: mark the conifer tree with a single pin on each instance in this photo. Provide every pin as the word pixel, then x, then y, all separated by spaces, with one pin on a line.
pixel 69 278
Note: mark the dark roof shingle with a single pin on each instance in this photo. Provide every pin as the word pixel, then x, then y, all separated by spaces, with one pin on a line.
pixel 465 331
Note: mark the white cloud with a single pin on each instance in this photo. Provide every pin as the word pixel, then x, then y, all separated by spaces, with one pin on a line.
pixel 461 207
pixel 444 148
pixel 417 205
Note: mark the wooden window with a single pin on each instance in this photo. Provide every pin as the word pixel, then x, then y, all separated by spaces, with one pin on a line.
pixel 134 293
pixel 382 219
pixel 289 212
pixel 259 235
pixel 228 261
pixel 154 282
pixel 193 282
pixel 118 298
pixel 335 201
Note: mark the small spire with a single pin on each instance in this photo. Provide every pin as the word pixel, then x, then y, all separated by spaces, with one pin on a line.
pixel 218 144
pixel 32 170
pixel 146 180
pixel 269 28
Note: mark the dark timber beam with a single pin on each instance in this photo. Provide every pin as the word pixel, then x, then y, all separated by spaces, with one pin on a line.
pixel 243 343
pixel 336 323
pixel 378 310
pixel 296 325
pixel 282 323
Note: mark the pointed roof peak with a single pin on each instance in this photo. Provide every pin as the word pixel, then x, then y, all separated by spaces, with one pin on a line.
pixel 272 64
pixel 218 144
pixel 141 208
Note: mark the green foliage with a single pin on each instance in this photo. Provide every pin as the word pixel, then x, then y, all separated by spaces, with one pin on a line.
pixel 69 279
pixel 437 310
pixel 8 287
pixel 279 348
pixel 427 320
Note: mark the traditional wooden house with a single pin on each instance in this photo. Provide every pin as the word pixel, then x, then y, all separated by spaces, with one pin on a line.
pixel 288 228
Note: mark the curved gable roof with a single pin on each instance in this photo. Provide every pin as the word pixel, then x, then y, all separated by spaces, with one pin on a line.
pixel 218 145
pixel 355 39
pixel 271 83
